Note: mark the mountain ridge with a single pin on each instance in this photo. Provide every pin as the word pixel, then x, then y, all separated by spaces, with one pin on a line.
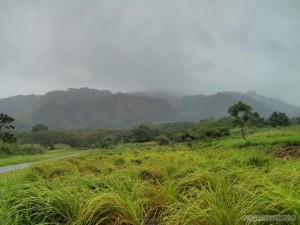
pixel 92 108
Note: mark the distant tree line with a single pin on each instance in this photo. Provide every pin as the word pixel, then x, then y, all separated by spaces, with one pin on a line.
pixel 240 115
pixel 104 138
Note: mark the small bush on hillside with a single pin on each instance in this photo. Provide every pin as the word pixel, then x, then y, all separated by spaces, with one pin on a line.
pixel 143 133
pixel 107 142
pixel 162 140
pixel 209 129
pixel 104 143
pixel 61 146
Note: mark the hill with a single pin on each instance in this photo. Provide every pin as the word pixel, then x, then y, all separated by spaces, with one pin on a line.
pixel 88 108
pixel 197 107
pixel 91 108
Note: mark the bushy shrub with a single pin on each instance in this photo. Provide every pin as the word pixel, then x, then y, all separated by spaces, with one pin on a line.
pixel 143 133
pixel 62 146
pixel 106 142
pixel 162 140
pixel 8 149
pixel 31 149
pixel 17 149
pixel 210 128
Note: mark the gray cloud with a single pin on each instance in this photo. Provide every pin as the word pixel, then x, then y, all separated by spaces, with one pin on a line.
pixel 127 45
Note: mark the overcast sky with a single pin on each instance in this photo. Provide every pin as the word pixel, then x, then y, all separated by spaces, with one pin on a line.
pixel 192 46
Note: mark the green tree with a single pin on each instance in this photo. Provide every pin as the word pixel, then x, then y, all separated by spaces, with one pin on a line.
pixel 256 120
pixel 283 119
pixel 143 133
pixel 203 129
pixel 278 119
pixel 240 113
pixel 106 142
pixel 39 127
pixel 6 124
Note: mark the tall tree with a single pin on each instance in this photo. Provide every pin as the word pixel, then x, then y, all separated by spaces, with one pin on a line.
pixel 240 113
pixel 6 124
pixel 143 133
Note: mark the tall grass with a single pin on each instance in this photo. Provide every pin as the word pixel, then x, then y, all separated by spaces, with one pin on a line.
pixel 149 184
pixel 20 149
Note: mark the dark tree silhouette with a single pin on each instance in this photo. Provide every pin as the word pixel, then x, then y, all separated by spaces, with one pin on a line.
pixel 6 124
pixel 39 127
pixel 278 119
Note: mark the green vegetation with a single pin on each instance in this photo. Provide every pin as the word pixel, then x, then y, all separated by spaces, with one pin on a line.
pixel 7 149
pixel 39 127
pixel 19 159
pixel 207 129
pixel 104 138
pixel 211 128
pixel 142 133
pixel 278 119
pixel 240 113
pixel 6 124
pixel 162 140
pixel 213 183
pixel 12 153
pixel 148 175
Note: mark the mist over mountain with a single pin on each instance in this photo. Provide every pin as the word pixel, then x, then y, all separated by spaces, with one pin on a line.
pixel 196 47
pixel 92 108
pixel 88 108
pixel 197 107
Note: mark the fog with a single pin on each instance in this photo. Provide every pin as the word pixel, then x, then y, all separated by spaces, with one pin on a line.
pixel 192 46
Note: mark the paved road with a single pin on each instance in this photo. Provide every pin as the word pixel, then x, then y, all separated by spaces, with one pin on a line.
pixel 5 169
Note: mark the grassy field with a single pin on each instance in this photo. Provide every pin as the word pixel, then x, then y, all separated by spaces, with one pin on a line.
pixel 18 159
pixel 216 183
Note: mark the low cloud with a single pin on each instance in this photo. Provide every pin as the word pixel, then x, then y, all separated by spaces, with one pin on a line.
pixel 190 46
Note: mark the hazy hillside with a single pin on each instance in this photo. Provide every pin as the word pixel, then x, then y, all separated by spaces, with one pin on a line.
pixel 82 94
pixel 86 108
pixel 201 106
pixel 93 108
pixel 196 107
pixel 19 104
pixel 118 110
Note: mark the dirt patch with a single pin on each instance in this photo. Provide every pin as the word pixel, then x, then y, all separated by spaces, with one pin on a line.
pixel 288 152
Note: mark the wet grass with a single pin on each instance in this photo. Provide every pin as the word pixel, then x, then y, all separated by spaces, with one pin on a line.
pixel 19 159
pixel 149 184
